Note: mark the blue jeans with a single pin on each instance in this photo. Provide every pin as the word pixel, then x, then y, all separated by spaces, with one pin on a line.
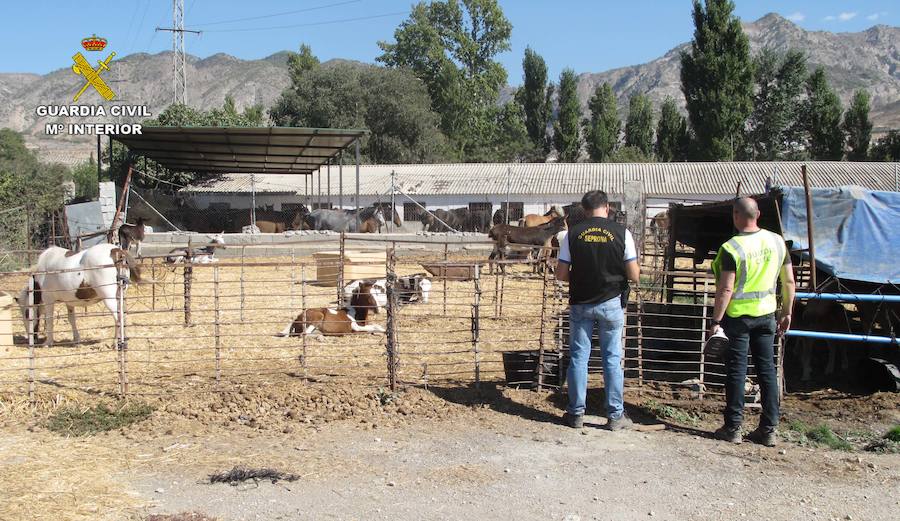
pixel 609 318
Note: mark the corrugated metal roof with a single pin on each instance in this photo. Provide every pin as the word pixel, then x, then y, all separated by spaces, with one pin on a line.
pixel 274 150
pixel 659 179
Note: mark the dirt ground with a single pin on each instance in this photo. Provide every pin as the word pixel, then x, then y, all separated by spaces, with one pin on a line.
pixel 440 453
pixel 438 449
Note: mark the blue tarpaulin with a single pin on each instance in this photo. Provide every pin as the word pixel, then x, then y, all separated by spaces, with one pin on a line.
pixel 856 231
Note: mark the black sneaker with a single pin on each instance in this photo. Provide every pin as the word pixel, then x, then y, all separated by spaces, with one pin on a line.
pixel 729 434
pixel 765 437
pixel 576 421
pixel 621 423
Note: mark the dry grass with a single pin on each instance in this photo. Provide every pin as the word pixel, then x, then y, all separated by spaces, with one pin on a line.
pixel 164 356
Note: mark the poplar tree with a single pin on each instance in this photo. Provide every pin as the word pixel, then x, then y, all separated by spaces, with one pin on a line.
pixel 603 128
pixel 717 80
pixel 566 128
pixel 671 133
pixel 639 126
pixel 858 127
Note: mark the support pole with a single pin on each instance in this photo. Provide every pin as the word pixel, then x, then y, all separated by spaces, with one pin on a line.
pixel 393 193
pixel 341 179
pixel 31 331
pixel 543 331
pixel 357 184
pixel 303 357
pixel 125 188
pixel 391 329
pixel 340 282
pixel 476 327
pixel 704 328
pixel 508 186
pixel 253 200
pixel 329 184
pixel 152 284
pixel 243 249
pixel 319 191
pixel 99 170
pixel 446 279
pixel 188 282
pixel 810 232
pixel 122 341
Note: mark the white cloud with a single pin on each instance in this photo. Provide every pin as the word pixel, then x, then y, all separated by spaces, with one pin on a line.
pixel 876 16
pixel 842 17
pixel 797 17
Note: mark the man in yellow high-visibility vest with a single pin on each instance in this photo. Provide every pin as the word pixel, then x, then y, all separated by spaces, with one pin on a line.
pixel 747 269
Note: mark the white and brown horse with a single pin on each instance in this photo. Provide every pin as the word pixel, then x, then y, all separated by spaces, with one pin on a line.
pixel 76 279
pixel 337 322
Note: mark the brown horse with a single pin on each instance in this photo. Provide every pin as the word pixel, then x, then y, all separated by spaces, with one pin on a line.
pixel 531 220
pixel 538 236
pixel 337 322
pixel 132 233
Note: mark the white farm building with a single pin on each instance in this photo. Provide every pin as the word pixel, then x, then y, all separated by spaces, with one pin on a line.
pixel 529 187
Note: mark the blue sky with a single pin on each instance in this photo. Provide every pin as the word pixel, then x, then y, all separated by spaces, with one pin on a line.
pixel 587 35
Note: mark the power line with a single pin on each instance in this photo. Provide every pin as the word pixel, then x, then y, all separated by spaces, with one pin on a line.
pixel 361 18
pixel 273 15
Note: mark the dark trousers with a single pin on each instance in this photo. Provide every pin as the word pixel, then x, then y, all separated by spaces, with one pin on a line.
pixel 756 335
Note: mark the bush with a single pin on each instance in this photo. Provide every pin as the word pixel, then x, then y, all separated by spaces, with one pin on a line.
pixel 72 421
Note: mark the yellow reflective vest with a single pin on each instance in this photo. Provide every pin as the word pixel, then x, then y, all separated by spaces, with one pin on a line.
pixel 758 257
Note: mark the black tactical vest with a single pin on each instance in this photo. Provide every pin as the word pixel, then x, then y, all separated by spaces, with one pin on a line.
pixel 597 270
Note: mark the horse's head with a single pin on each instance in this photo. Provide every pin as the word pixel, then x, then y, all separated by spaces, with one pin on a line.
pixel 363 301
pixel 379 216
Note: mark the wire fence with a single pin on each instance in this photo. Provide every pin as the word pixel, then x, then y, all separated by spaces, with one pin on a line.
pixel 193 328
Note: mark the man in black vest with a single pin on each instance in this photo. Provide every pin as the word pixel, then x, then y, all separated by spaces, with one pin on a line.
pixel 597 258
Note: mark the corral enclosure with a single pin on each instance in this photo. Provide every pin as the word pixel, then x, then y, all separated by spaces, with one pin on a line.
pixel 204 327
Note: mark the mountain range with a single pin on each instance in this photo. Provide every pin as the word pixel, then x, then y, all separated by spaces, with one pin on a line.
pixel 868 59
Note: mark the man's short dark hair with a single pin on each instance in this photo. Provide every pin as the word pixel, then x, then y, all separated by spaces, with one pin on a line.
pixel 594 199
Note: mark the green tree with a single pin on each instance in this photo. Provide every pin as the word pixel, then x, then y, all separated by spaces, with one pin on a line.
pixel 602 130
pixel 532 96
pixel 887 148
pixel 822 119
pixel 639 125
pixel 30 189
pixel 566 135
pixel 717 80
pixel 629 154
pixel 858 127
pixel 671 133
pixel 772 130
pixel 299 63
pixel 87 185
pixel 392 103
pixel 450 45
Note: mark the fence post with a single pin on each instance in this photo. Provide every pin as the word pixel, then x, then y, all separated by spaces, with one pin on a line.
pixel 243 249
pixel 476 326
pixel 31 331
pixel 779 346
pixel 188 282
pixel 640 342
pixel 121 340
pixel 340 281
pixel 446 278
pixel 152 276
pixel 217 323
pixel 542 341
pixel 703 336
pixel 303 358
pixel 391 333
pixel 293 278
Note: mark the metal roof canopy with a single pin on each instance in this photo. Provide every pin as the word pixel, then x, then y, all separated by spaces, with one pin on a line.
pixel 272 150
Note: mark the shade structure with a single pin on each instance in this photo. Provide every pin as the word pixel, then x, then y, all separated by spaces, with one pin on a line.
pixel 273 150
